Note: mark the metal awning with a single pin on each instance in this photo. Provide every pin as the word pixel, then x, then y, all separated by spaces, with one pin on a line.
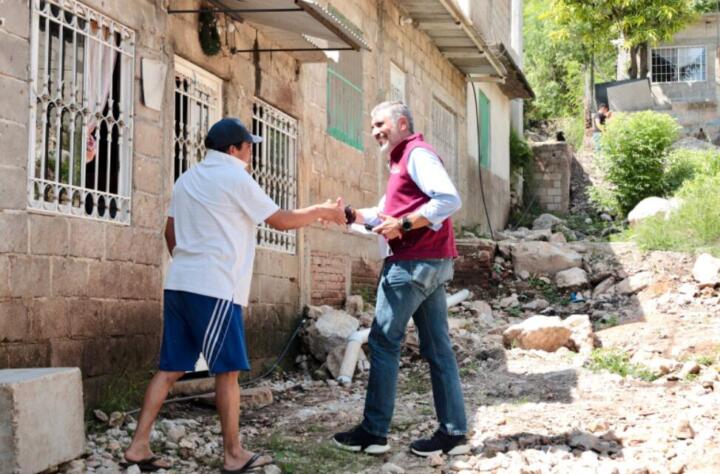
pixel 456 38
pixel 516 85
pixel 302 27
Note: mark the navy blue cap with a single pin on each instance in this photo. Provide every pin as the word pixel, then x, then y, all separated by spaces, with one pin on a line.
pixel 229 131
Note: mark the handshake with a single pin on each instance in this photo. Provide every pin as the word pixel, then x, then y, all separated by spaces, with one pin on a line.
pixel 338 213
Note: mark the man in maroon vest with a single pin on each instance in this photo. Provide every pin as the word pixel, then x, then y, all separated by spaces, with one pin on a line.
pixel 414 219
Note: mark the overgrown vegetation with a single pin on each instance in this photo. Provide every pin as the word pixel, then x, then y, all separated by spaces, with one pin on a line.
pixel 549 291
pixel 634 151
pixel 123 392
pixel 694 227
pixel 618 362
pixel 520 152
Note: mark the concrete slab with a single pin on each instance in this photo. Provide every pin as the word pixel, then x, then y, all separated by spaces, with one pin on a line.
pixel 41 418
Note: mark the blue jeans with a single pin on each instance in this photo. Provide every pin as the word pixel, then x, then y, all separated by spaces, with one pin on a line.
pixel 413 288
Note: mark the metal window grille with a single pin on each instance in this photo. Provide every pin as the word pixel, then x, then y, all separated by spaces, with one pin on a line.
pixel 679 64
pixel 397 83
pixel 80 153
pixel 198 97
pixel 444 135
pixel 274 167
pixel 345 99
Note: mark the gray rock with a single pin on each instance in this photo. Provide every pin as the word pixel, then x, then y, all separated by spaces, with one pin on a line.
pixel 582 337
pixel 584 441
pixel 272 469
pixel 391 468
pixel 649 207
pixel 536 305
pixel 706 270
pixel 546 221
pixel 354 305
pixel 542 258
pixel 603 287
pixel 571 278
pixel 330 330
pixel 482 310
pixel 510 301
pixel 558 238
pixel 635 283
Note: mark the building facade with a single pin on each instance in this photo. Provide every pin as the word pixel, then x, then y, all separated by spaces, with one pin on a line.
pixel 106 103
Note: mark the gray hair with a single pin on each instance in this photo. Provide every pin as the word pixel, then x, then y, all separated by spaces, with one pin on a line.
pixel 397 109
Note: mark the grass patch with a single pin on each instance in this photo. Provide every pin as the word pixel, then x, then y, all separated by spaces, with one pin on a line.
pixel 695 227
pixel 469 369
pixel 515 311
pixel 618 362
pixel 123 392
pixel 416 381
pixel 305 456
pixel 549 291
pixel 610 322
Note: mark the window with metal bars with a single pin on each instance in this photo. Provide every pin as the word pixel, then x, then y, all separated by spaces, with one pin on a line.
pixel 80 158
pixel 345 99
pixel 198 99
pixel 274 167
pixel 444 136
pixel 679 64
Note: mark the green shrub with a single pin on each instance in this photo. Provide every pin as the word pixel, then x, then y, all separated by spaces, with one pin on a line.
pixel 683 165
pixel 618 362
pixel 694 227
pixel 520 152
pixel 574 128
pixel 634 147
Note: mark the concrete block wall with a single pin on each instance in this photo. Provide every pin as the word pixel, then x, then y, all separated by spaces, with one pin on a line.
pixel 550 183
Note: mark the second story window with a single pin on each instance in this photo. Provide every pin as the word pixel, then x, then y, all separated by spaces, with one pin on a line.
pixel 345 99
pixel 82 66
pixel 679 64
pixel 198 100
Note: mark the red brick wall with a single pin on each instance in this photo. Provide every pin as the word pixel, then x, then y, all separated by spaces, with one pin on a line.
pixel 328 272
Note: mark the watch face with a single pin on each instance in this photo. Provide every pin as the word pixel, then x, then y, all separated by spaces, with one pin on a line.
pixel 406 224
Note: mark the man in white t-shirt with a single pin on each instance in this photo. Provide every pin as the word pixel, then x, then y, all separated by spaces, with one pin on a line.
pixel 210 232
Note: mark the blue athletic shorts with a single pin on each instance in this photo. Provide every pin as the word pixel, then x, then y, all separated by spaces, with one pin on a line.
pixel 194 324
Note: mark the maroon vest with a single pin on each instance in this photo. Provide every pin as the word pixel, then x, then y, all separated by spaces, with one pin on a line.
pixel 402 197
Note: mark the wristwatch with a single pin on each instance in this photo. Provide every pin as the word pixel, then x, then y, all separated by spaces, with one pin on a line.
pixel 405 224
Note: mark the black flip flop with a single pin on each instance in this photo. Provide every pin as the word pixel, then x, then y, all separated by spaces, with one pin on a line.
pixel 247 467
pixel 145 465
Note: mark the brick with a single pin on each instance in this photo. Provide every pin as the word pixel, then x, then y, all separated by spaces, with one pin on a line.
pixel 148 139
pixel 42 419
pixel 17 17
pixel 13 144
pixel 29 276
pixel 124 280
pixel 87 238
pixel 13 192
pixel 28 355
pixel 86 317
pixel 133 317
pixel 66 352
pixel 148 175
pixel 136 245
pixel 15 99
pixel 13 232
pixel 48 235
pixel 13 321
pixel 147 211
pixel 48 318
pixel 69 277
pixel 4 277
pixel 14 60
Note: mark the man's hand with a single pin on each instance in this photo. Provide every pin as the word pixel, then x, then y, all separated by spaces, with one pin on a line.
pixel 330 211
pixel 390 228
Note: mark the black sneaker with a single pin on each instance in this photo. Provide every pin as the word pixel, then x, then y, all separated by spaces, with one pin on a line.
pixel 358 440
pixel 440 443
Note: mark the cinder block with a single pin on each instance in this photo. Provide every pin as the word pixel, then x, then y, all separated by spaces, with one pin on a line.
pixel 87 238
pixel 13 232
pixel 41 418
pixel 15 100
pixel 148 175
pixel 29 276
pixel 48 235
pixel 148 211
pixel 13 143
pixel 17 17
pixel 13 192
pixel 69 277
pixel 15 60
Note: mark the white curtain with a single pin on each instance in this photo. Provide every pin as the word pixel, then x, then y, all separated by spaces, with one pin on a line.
pixel 99 68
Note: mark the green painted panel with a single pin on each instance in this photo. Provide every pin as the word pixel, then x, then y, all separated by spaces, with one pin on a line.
pixel 484 129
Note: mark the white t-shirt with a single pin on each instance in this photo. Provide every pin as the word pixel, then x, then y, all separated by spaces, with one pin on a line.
pixel 216 206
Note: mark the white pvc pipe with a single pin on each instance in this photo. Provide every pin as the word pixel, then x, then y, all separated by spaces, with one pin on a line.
pixel 458 297
pixel 352 353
